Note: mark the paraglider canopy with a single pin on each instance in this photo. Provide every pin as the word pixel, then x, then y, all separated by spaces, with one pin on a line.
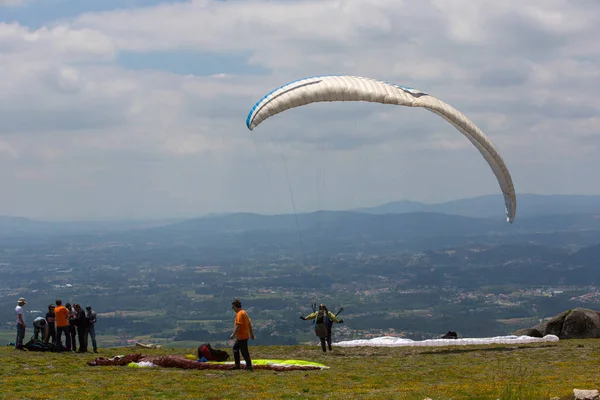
pixel 332 88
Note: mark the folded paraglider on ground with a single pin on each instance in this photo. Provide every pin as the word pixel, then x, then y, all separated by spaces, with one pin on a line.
pixel 171 361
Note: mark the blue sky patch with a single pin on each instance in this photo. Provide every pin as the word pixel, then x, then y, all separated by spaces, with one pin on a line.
pixel 38 13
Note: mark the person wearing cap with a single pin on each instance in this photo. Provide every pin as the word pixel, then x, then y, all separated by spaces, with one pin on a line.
pixel 91 318
pixel 21 326
pixel 40 325
pixel 242 332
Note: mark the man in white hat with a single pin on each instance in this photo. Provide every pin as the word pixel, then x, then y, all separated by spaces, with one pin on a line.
pixel 20 323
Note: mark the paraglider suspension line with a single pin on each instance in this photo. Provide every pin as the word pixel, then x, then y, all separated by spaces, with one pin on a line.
pixel 287 177
pixel 262 162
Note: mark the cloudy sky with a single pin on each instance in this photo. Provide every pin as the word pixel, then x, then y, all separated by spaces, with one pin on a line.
pixel 137 108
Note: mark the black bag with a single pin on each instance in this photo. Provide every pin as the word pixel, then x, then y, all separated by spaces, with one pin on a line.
pixel 37 345
pixel 450 335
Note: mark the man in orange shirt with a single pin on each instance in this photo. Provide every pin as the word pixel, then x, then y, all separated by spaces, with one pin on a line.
pixel 242 332
pixel 61 315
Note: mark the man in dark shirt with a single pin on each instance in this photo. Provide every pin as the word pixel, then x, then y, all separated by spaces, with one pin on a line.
pixel 51 325
pixel 81 324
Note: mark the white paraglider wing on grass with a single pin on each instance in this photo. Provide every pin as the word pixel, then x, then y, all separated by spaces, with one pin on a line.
pixel 389 341
pixel 354 88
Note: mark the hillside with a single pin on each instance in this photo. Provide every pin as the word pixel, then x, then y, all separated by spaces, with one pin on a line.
pixel 27 227
pixel 492 206
pixel 415 231
pixel 439 269
pixel 489 207
pixel 336 230
pixel 457 372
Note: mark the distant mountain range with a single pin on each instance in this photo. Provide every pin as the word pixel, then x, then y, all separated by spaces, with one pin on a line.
pixel 551 220
pixel 492 206
pixel 21 226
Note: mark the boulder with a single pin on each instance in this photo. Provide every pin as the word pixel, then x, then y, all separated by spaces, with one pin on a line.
pixel 579 323
pixel 585 394
pixel 553 326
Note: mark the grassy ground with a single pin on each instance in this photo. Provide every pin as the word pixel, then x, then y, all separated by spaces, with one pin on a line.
pixel 520 371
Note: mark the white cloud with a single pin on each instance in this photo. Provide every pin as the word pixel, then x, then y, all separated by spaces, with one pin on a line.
pixel 9 3
pixel 97 138
pixel 8 150
pixel 59 43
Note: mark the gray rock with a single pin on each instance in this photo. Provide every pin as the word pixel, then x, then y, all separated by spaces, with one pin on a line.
pixel 579 323
pixel 554 325
pixel 585 394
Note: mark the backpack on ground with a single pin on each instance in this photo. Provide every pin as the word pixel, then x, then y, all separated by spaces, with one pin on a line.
pixel 205 350
pixel 450 335
pixel 37 345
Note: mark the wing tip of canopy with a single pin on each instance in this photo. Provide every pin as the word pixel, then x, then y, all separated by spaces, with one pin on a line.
pixel 511 212
pixel 250 118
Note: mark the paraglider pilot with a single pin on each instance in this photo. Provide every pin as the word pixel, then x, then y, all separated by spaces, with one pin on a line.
pixel 324 320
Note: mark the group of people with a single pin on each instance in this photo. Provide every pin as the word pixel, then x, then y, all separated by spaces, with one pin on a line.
pixel 76 323
pixel 73 321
